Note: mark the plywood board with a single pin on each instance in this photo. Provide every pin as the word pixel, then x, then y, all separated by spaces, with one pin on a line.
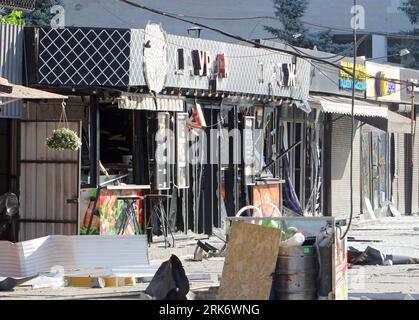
pixel 251 256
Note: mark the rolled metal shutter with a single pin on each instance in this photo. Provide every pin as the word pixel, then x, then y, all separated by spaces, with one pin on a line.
pixel 415 184
pixel 340 171
pixel 401 173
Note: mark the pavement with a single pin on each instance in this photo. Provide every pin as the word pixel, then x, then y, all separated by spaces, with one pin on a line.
pixel 395 235
pixel 392 235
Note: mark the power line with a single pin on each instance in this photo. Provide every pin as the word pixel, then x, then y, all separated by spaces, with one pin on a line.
pixel 224 33
pixel 332 28
pixel 298 52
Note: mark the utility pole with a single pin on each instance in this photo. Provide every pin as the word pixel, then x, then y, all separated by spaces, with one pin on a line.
pixel 412 134
pixel 351 183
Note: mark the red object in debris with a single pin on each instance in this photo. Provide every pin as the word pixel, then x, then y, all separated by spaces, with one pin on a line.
pixel 197 119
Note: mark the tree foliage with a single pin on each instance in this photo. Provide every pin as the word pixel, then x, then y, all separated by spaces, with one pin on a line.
pixel 289 14
pixel 14 17
pixel 411 9
pixel 293 32
pixel 412 60
pixel 42 16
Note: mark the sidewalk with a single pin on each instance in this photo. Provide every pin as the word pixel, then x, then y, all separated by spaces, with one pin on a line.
pixel 398 236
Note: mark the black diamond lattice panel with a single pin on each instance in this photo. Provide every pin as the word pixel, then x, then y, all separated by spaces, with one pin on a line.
pixel 78 56
pixel 18 4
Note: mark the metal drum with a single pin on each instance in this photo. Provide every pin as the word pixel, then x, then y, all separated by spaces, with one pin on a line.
pixel 296 273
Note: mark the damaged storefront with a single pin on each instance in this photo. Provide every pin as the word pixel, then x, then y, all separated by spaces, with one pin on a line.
pixel 239 130
pixel 385 146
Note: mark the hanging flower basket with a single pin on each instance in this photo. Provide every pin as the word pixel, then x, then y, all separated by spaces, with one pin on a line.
pixel 63 139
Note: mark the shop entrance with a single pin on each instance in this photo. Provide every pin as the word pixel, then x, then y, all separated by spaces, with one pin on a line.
pixel 116 143
pixel 375 169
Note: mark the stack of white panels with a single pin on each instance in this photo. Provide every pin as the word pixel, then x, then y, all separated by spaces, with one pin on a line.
pixel 101 255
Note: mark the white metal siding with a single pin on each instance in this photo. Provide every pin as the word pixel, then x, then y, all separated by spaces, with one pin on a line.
pixel 340 188
pixel 106 254
pixel 45 187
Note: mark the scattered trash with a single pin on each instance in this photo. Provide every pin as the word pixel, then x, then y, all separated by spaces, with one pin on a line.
pixel 370 210
pixel 170 281
pixel 295 241
pixel 98 283
pixel 372 256
pixel 8 284
pixel 200 248
pixel 394 212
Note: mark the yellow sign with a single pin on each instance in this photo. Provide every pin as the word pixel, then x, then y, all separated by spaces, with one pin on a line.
pixel 360 72
pixel 382 82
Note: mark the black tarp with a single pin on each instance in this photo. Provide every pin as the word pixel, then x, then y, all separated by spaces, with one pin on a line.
pixel 170 281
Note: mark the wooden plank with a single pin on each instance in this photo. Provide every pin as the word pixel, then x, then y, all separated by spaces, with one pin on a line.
pixel 92 281
pixel 251 256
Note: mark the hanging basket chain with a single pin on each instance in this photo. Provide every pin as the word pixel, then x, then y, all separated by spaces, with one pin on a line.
pixel 63 117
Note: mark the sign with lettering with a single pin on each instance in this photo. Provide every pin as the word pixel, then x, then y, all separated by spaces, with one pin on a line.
pixel 204 66
pixel 346 79
pixel 382 82
pixel 383 86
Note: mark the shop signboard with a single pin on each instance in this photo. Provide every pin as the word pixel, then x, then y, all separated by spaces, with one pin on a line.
pixel 328 79
pixel 383 82
pixel 346 79
pixel 220 67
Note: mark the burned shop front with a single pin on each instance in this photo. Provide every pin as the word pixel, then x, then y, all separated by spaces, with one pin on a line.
pixel 184 131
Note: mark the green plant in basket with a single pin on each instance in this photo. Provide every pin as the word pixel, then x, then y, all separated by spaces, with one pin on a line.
pixel 63 139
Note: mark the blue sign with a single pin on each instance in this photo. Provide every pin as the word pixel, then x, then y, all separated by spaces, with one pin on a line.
pixel 348 83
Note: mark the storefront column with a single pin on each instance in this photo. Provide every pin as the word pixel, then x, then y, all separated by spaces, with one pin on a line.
pixel 94 141
pixel 327 165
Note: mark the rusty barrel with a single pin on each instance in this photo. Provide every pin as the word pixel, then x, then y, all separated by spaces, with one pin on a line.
pixel 296 273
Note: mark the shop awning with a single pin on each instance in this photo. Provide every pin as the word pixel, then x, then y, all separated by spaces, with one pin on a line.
pixel 342 105
pixel 18 92
pixel 147 102
pixel 395 123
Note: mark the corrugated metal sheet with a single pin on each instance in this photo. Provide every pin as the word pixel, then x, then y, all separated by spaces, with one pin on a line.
pixel 399 183
pixel 415 184
pixel 48 179
pixel 11 57
pixel 340 176
pixel 344 106
pixel 121 254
